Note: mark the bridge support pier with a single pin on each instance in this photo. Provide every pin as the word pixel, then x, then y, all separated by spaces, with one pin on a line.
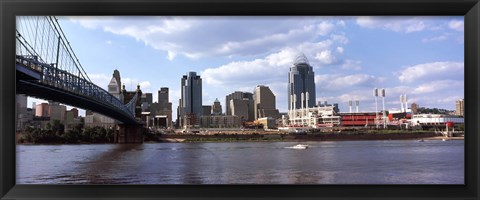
pixel 130 134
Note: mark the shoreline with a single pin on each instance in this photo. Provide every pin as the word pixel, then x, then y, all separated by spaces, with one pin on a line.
pixel 301 138
pixel 351 136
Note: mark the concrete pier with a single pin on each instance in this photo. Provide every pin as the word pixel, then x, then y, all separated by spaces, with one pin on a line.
pixel 129 134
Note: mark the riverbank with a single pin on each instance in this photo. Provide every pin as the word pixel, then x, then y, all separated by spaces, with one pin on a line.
pixel 300 138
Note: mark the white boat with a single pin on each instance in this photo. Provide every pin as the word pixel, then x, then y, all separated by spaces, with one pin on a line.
pixel 299 146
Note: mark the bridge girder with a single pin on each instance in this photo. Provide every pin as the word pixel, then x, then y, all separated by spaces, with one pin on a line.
pixel 42 91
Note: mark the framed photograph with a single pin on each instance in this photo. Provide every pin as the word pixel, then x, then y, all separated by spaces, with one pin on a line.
pixel 255 99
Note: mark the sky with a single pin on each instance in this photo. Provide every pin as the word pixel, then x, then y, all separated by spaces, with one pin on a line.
pixel 422 57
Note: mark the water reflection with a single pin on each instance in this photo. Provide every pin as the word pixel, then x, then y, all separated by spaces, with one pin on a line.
pixel 356 162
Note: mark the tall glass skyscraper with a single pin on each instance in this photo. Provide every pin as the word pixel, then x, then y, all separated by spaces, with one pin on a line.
pixel 301 84
pixel 191 99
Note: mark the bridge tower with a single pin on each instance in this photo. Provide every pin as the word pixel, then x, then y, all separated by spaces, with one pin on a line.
pixel 131 133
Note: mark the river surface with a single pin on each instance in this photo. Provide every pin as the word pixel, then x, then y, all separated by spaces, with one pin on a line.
pixel 341 162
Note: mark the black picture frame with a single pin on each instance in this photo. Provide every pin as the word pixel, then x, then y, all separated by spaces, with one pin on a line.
pixel 470 9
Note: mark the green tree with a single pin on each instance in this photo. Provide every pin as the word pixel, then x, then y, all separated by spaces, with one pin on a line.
pixel 57 127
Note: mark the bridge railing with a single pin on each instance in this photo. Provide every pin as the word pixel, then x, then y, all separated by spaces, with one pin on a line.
pixel 64 80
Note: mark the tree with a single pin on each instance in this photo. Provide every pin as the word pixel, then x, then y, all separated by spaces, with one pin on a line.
pixel 58 128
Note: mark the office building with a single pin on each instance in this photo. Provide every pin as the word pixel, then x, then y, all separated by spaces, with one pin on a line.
pixel 460 107
pixel 163 95
pixel 220 121
pixel 206 110
pixel 72 120
pixel 301 85
pixel 191 100
pixel 161 112
pixel 146 100
pixel 240 104
pixel 42 110
pixel 114 86
pixel 264 103
pixel 216 107
pixel 118 80
pixel 22 115
pixel 242 108
pixel 93 119
pixel 57 112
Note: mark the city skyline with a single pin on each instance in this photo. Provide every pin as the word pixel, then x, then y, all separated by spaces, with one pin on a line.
pixel 417 56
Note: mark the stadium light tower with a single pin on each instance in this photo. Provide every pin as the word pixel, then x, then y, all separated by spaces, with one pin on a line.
pixel 384 112
pixel 375 94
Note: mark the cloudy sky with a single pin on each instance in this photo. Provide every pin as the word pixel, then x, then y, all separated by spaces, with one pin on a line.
pixel 422 57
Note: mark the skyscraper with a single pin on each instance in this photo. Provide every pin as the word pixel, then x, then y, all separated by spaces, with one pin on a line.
pixel 163 95
pixel 114 87
pixel 460 107
pixel 240 104
pixel 161 112
pixel 301 84
pixel 216 107
pixel 191 99
pixel 264 102
pixel 116 75
pixel 237 95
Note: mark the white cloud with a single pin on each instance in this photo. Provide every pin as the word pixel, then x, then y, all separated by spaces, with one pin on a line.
pixel 325 57
pixel 340 50
pixel 456 25
pixel 100 80
pixel 437 86
pixel 196 37
pixel 272 67
pixel 435 70
pixel 145 85
pixel 433 39
pixel 132 83
pixel 352 65
pixel 334 82
pixel 396 24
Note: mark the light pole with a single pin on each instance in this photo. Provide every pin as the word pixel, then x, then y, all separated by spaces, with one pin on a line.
pixel 375 94
pixel 384 113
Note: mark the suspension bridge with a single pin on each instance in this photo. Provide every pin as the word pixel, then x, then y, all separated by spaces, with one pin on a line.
pixel 47 68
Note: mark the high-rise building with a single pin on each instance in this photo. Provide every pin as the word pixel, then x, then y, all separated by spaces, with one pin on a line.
pixel 114 86
pixel 116 75
pixel 163 95
pixel 42 110
pixel 21 110
pixel 161 112
pixel 216 107
pixel 72 119
pixel 264 103
pixel 57 112
pixel 191 99
pixel 206 110
pixel 243 108
pixel 460 107
pixel 147 100
pixel 96 119
pixel 301 85
pixel 241 96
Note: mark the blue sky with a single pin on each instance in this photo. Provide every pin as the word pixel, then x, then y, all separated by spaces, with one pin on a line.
pixel 422 57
